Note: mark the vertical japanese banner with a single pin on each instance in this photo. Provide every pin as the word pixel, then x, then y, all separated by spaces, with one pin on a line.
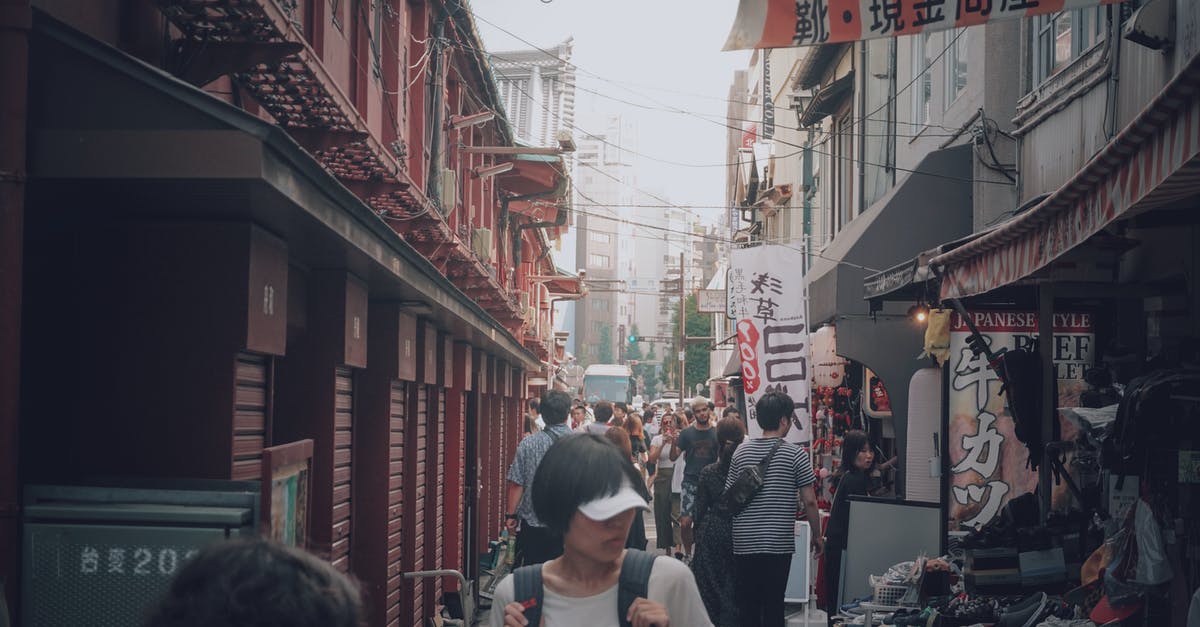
pixel 987 461
pixel 767 299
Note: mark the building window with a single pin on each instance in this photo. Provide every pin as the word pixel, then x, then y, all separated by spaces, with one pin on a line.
pixel 599 304
pixel 1061 37
pixel 922 59
pixel 598 261
pixel 956 65
pixel 598 236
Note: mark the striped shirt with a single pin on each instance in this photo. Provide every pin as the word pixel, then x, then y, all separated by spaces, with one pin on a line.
pixel 768 524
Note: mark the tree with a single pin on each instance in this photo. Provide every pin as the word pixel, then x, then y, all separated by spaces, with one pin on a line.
pixel 696 364
pixel 604 352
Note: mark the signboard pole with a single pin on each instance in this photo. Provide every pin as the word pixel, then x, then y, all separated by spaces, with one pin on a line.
pixel 682 327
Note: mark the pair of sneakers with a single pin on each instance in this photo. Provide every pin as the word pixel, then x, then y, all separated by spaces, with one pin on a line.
pixel 684 557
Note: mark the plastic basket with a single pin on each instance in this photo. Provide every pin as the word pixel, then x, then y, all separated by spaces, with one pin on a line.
pixel 888 594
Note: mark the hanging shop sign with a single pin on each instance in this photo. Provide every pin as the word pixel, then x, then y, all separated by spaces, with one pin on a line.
pixel 768 301
pixel 710 301
pixel 987 461
pixel 787 23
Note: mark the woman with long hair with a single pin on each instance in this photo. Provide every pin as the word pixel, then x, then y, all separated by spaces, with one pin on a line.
pixel 852 479
pixel 666 492
pixel 586 491
pixel 637 437
pixel 713 563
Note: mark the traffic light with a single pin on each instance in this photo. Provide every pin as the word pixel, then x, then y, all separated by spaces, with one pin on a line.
pixel 633 339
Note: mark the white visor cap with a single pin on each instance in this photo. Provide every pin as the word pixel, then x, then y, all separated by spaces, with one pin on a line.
pixel 606 507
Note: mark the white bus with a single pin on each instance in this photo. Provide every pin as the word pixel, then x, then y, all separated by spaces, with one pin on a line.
pixel 608 382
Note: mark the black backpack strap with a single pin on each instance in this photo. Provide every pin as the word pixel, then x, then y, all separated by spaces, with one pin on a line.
pixel 634 582
pixel 527 590
pixel 766 461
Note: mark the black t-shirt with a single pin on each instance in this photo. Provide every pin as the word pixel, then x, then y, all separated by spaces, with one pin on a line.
pixel 699 449
pixel 853 483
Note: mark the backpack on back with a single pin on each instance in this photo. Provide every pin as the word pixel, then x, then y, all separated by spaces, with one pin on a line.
pixel 634 582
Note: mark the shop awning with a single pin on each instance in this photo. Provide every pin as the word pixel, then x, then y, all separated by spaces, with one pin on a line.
pixel 828 100
pixel 905 280
pixel 563 285
pixel 931 206
pixel 733 367
pixel 1151 162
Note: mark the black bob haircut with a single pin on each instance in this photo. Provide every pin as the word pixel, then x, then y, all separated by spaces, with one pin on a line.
pixel 579 469
pixel 242 582
pixel 554 407
pixel 772 408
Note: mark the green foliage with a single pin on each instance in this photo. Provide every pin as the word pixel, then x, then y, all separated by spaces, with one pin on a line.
pixel 604 352
pixel 696 358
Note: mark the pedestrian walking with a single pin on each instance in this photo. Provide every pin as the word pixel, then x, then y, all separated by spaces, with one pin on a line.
pixel 604 416
pixel 533 418
pixel 666 492
pixel 586 490
pixel 535 543
pixel 764 532
pixel 698 446
pixel 853 479
pixel 713 564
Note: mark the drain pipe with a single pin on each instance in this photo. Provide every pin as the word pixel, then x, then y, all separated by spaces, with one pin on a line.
pixel 16 20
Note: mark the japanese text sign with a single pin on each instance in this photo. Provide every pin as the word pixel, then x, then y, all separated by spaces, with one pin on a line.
pixel 785 23
pixel 987 461
pixel 767 299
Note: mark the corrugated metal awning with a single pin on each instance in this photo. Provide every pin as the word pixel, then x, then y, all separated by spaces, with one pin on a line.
pixel 1151 162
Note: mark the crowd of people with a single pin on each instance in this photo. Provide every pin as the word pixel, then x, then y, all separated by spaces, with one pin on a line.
pixel 715 561
pixel 579 486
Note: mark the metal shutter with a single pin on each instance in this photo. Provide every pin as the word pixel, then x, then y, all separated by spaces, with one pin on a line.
pixel 342 453
pixel 395 541
pixel 420 480
pixel 252 396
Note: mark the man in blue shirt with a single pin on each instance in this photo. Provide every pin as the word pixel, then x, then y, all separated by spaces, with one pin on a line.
pixel 535 542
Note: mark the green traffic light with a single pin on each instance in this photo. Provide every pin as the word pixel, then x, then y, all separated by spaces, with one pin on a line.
pixel 633 339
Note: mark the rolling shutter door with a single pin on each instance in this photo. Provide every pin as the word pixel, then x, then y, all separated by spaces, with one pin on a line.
pixel 342 421
pixel 252 394
pixel 438 423
pixel 421 481
pixel 395 528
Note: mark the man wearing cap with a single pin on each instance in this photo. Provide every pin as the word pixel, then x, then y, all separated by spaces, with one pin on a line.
pixel 698 445
pixel 535 543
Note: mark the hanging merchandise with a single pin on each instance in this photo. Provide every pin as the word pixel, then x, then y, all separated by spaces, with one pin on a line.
pixel 829 368
pixel 937 336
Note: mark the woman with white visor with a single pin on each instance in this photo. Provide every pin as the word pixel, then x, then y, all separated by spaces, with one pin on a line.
pixel 587 491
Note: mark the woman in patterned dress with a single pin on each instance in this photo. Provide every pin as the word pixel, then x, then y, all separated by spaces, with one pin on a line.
pixel 713 561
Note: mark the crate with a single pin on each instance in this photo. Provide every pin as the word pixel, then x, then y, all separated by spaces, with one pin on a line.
pixel 890 594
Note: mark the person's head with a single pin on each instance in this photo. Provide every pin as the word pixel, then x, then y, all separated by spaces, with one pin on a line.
pixel 620 410
pixel 857 453
pixel 620 437
pixel 586 489
pixel 701 411
pixel 634 426
pixel 252 581
pixel 730 433
pixel 578 414
pixel 687 416
pixel 647 416
pixel 533 404
pixel 730 410
pixel 603 411
pixel 774 409
pixel 554 406
pixel 712 407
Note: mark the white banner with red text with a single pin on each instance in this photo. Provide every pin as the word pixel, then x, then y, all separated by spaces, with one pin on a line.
pixel 767 297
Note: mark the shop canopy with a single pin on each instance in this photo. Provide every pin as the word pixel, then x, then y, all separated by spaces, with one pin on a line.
pixel 931 206
pixel 1153 161
pixel 786 23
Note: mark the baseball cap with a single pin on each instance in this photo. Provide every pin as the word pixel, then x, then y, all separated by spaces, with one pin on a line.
pixel 605 507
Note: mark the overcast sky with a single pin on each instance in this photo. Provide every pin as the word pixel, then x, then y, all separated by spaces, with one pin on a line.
pixel 661 54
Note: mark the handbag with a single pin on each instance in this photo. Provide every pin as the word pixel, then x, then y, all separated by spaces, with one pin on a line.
pixel 748 483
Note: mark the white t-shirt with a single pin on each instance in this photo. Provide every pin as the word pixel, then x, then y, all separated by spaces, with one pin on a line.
pixel 664 455
pixel 677 476
pixel 671 584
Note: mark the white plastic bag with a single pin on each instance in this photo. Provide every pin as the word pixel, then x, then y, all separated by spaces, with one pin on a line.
pixel 1152 566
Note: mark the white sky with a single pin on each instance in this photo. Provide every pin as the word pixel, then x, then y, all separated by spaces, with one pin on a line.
pixel 664 54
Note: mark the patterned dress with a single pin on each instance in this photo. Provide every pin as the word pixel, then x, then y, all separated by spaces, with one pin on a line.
pixel 713 561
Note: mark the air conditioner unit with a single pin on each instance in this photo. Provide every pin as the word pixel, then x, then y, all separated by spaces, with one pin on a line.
pixel 481 245
pixel 449 191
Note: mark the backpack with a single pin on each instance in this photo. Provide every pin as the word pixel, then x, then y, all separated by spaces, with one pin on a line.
pixel 748 482
pixel 634 582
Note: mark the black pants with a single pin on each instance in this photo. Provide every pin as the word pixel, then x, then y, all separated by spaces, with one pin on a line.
pixel 536 545
pixel 759 588
pixel 833 573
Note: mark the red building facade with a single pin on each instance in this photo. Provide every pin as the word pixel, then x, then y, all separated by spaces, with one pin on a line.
pixel 236 224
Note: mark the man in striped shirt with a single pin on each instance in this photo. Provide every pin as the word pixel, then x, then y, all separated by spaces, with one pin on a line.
pixel 764 532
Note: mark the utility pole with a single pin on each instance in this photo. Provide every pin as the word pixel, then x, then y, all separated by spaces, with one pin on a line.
pixel 682 327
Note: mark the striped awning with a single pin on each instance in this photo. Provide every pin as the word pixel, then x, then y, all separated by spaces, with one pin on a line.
pixel 1152 162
